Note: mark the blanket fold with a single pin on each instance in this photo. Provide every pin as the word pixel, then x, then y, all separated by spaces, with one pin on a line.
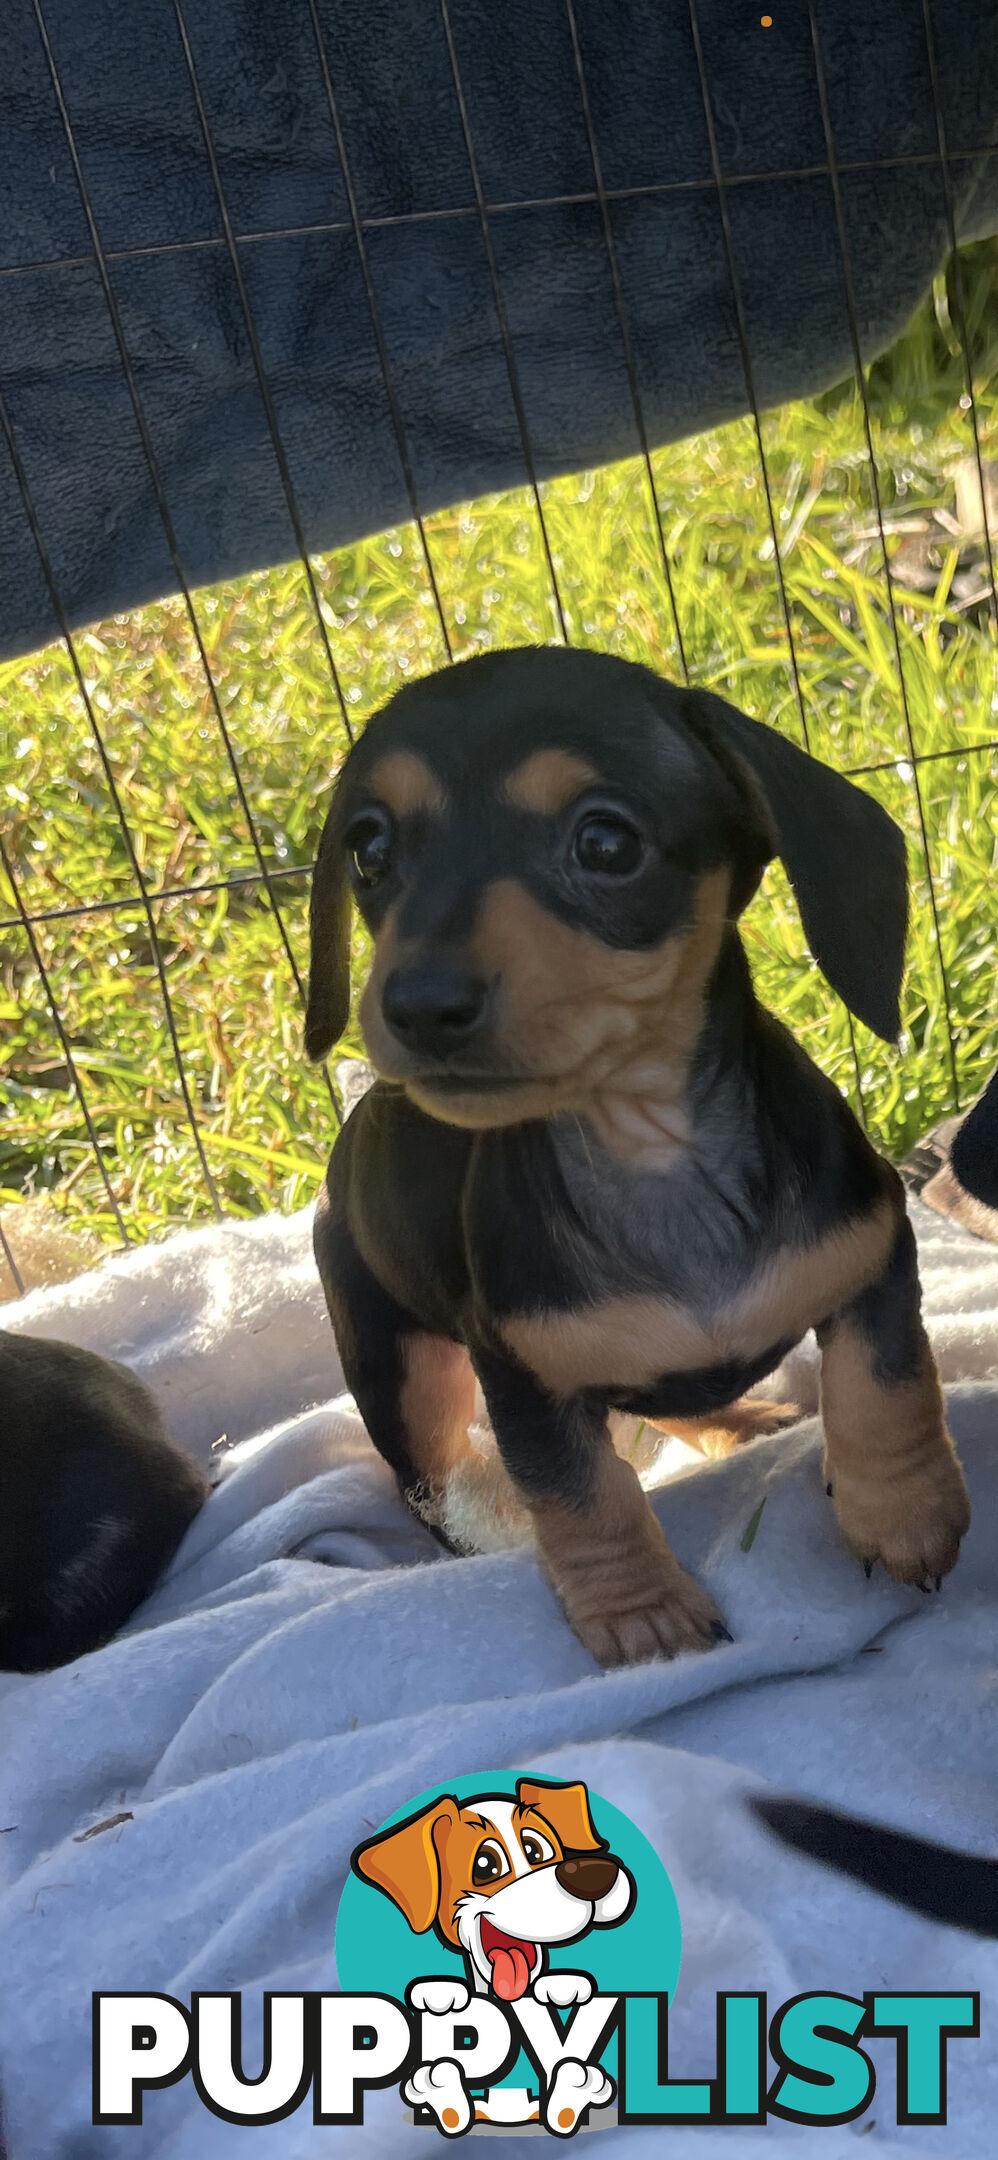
pixel 312 1660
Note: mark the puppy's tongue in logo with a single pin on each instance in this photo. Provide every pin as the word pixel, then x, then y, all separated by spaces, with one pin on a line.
pixel 511 1961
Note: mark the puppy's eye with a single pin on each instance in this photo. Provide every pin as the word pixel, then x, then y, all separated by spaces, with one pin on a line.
pixel 489 1863
pixel 606 845
pixel 370 840
pixel 536 1849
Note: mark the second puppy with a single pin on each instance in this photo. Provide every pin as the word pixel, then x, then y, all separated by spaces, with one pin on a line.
pixel 94 1500
pixel 595 1172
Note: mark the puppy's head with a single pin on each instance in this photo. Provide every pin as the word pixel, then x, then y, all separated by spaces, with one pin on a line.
pixel 546 846
pixel 501 1878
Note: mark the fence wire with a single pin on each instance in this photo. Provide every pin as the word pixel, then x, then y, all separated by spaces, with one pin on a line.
pixel 271 878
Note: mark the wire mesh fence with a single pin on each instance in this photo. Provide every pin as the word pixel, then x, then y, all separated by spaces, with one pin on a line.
pixel 831 566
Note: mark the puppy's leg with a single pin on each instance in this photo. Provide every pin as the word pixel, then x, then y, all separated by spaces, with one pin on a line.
pixel 623 1590
pixel 898 1488
pixel 415 1391
pixel 719 1432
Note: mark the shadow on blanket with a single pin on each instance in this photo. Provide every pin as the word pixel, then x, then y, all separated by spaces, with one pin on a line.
pixel 956 1888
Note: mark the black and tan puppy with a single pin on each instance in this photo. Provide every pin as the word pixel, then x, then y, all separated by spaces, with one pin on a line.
pixel 94 1500
pixel 975 1147
pixel 595 1173
pixel 954 1168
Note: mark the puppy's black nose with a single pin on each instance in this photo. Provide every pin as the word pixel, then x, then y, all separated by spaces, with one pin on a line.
pixel 587 1875
pixel 434 1006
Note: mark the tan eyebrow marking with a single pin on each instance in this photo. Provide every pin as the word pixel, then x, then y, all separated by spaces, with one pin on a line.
pixel 547 780
pixel 406 783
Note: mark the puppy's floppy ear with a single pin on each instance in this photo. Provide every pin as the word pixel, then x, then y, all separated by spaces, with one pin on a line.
pixel 329 945
pixel 404 1862
pixel 566 1808
pixel 844 856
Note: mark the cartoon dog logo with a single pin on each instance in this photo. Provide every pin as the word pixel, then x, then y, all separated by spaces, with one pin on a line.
pixel 503 1879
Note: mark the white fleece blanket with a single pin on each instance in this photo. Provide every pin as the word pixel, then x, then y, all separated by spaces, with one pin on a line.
pixel 313 1660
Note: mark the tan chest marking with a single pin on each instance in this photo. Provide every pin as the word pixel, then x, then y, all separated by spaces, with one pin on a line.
pixel 631 1341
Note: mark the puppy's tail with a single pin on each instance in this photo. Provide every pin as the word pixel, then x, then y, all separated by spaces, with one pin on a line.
pixel 956 1888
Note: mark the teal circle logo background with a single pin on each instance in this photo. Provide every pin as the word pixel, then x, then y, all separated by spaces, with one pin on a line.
pixel 377 1952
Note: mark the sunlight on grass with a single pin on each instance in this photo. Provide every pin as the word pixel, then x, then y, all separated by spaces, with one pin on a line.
pixel 266 1119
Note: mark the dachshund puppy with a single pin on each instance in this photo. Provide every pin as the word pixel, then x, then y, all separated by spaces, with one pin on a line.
pixel 974 1153
pixel 94 1500
pixel 594 1171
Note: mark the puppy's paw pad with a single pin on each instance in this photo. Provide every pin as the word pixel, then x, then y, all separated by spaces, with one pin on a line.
pixel 440 2087
pixel 439 1996
pixel 576 2086
pixel 562 1988
pixel 912 1523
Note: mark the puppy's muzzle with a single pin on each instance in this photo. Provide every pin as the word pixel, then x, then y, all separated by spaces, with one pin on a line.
pixel 435 1008
pixel 588 1875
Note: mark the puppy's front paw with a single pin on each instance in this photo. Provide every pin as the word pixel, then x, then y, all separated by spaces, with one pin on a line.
pixel 439 1996
pixel 912 1521
pixel 623 1590
pixel 562 1988
pixel 653 1611
pixel 576 2086
pixel 440 2087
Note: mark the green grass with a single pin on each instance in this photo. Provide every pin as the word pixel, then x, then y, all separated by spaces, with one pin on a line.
pixel 265 1118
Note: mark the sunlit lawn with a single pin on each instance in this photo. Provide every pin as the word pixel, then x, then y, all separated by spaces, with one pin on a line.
pixel 266 1120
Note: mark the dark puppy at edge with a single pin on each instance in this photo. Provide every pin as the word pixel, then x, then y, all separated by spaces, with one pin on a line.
pixel 94 1500
pixel 595 1172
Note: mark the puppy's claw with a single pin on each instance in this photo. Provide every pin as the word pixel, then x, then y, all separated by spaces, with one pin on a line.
pixel 868 1569
pixel 938 1582
pixel 829 1489
pixel 721 1633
